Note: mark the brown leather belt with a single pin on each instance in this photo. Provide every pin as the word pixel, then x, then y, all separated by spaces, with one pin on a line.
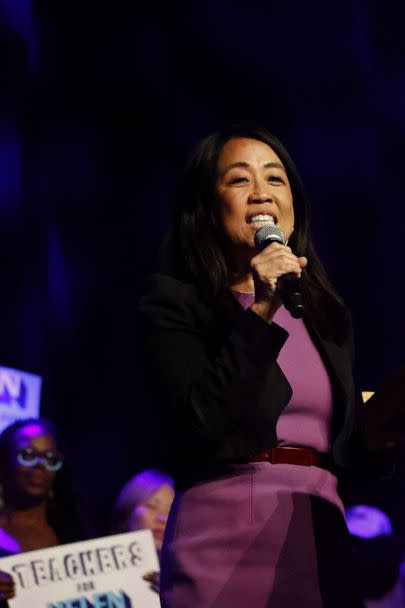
pixel 293 455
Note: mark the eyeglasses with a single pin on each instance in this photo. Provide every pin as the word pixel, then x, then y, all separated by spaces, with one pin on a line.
pixel 29 457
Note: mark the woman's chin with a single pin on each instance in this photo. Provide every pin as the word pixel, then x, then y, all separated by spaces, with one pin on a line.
pixel 158 543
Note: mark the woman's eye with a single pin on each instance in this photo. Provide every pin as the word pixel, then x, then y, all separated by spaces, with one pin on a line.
pixel 27 454
pixel 238 180
pixel 276 178
pixel 51 457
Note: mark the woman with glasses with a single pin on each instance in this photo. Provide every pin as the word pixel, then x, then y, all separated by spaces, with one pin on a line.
pixel 38 509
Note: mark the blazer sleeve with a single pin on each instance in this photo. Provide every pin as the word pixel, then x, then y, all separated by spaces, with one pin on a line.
pixel 363 464
pixel 215 392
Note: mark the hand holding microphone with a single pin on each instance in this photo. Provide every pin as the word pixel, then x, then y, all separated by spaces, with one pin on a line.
pixel 277 271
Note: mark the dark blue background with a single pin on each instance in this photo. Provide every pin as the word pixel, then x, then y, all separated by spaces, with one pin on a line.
pixel 99 107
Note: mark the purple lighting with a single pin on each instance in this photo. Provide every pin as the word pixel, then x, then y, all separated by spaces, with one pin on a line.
pixel 366 521
pixel 31 430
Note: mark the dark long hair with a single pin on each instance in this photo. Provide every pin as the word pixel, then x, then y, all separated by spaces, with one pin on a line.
pixel 62 508
pixel 195 249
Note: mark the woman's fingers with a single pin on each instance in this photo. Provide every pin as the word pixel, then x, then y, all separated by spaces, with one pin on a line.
pixel 272 263
pixel 7 586
pixel 302 261
pixel 276 263
pixel 154 579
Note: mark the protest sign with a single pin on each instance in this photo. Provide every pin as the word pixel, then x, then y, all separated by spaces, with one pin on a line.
pixel 101 573
pixel 20 394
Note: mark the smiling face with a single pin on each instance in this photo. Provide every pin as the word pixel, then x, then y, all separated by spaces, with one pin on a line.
pixel 253 189
pixel 30 482
pixel 153 513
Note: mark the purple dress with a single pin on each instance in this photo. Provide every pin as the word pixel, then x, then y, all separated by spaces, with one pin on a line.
pixel 256 537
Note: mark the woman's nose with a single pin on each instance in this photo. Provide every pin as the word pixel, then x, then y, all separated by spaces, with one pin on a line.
pixel 162 517
pixel 40 462
pixel 261 196
pixel 261 192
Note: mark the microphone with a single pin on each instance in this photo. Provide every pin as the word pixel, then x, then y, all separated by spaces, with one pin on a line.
pixel 288 285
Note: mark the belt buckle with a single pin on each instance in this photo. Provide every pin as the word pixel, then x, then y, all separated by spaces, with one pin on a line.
pixel 293 455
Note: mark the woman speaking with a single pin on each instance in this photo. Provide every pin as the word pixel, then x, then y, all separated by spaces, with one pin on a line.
pixel 257 405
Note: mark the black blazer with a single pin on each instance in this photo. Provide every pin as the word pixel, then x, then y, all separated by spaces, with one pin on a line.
pixel 212 376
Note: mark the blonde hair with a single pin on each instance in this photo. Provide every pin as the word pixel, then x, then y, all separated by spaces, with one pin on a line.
pixel 134 493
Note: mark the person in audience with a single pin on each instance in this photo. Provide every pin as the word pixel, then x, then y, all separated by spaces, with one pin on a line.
pixel 144 503
pixel 38 509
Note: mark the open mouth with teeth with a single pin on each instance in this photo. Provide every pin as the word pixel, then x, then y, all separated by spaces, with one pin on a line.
pixel 262 219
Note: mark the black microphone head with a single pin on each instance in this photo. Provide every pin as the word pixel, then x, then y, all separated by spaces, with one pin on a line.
pixel 269 234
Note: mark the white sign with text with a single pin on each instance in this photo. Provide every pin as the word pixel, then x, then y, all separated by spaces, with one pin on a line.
pixel 101 573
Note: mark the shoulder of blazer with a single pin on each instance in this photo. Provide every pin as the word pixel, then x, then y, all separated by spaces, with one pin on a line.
pixel 167 300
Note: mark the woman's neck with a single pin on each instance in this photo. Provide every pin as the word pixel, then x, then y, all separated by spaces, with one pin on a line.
pixel 26 529
pixel 29 515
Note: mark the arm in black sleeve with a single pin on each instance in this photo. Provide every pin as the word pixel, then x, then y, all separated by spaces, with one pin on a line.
pixel 217 388
pixel 366 462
